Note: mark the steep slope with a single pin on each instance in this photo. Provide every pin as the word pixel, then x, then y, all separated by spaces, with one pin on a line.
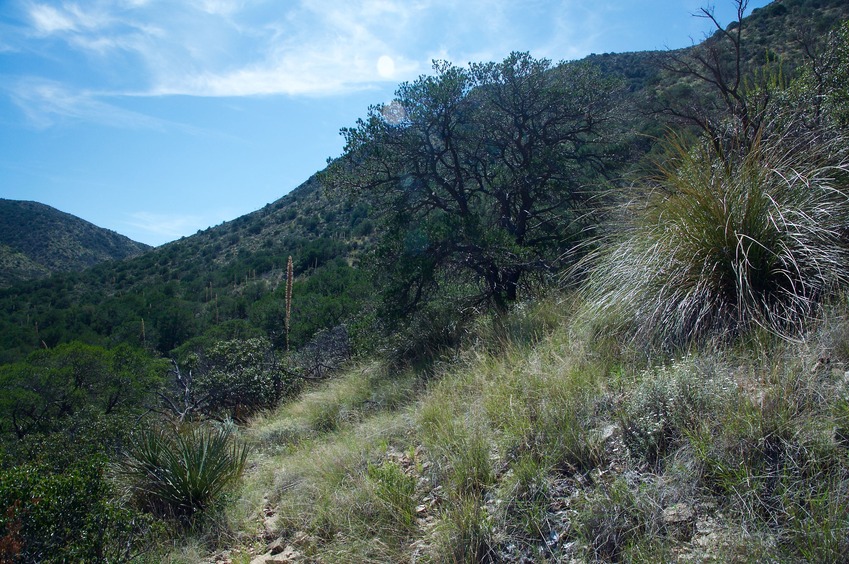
pixel 534 443
pixel 37 240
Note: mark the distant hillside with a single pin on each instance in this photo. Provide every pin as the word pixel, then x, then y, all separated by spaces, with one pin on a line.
pixel 37 240
pixel 221 282
pixel 785 31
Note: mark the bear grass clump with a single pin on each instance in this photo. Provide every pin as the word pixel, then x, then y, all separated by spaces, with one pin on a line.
pixel 724 244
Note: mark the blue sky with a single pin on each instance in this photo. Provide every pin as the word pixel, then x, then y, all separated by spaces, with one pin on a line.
pixel 157 118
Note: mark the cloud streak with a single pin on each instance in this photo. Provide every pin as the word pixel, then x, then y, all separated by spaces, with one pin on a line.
pixel 46 103
pixel 263 47
pixel 157 228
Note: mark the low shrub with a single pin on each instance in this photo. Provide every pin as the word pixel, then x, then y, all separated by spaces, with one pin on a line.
pixel 240 377
pixel 466 533
pixel 396 492
pixel 525 491
pixel 667 404
pixel 70 516
pixel 615 517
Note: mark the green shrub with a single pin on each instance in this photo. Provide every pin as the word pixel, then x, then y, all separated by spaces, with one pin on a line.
pixel 666 404
pixel 526 494
pixel 181 472
pixel 45 392
pixel 819 523
pixel 66 517
pixel 615 517
pixel 721 246
pixel 466 533
pixel 780 466
pixel 396 492
pixel 461 448
pixel 241 376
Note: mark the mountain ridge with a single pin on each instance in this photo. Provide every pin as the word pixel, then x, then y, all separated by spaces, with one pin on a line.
pixel 37 240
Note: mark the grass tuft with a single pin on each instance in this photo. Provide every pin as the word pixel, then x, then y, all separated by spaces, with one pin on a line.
pixel 720 247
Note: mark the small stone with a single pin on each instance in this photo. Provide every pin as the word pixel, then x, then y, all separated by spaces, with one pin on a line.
pixel 276 547
pixel 288 556
pixel 261 558
pixel 680 521
pixel 606 433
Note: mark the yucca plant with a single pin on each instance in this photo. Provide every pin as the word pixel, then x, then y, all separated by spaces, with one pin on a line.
pixel 722 245
pixel 180 472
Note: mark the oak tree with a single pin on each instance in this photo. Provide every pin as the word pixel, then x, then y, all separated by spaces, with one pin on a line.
pixel 482 175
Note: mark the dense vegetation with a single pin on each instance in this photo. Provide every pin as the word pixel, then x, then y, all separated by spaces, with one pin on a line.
pixel 224 282
pixel 569 340
pixel 37 240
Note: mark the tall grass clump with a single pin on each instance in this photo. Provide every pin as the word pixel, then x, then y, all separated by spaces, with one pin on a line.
pixel 181 472
pixel 723 245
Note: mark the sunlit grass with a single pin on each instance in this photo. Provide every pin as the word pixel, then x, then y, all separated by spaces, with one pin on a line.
pixel 719 247
pixel 480 457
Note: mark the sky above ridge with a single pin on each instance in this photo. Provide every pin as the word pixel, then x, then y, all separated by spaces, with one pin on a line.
pixel 159 118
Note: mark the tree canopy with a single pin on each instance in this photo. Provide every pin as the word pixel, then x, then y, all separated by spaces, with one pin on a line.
pixel 483 175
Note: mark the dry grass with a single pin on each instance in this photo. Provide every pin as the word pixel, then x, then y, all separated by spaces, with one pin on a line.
pixel 543 448
pixel 721 247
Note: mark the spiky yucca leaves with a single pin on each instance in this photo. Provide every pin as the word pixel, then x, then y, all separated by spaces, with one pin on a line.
pixel 181 472
pixel 720 247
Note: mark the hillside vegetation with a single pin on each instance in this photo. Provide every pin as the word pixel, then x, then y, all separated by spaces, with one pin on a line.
pixel 513 328
pixel 37 240
pixel 223 282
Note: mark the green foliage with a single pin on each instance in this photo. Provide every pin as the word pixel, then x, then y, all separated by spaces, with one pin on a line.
pixel 240 377
pixel 823 88
pixel 466 533
pixel 70 516
pixel 396 492
pixel 180 472
pixel 666 405
pixel 527 494
pixel 53 385
pixel 481 175
pixel 615 517
pixel 190 288
pixel 327 299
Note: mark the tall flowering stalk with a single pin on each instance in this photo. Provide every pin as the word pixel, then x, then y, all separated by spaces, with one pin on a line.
pixel 289 276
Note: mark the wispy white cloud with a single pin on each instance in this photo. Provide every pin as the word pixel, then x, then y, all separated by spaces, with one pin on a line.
pixel 264 47
pixel 70 17
pixel 157 228
pixel 219 7
pixel 46 103
pixel 47 19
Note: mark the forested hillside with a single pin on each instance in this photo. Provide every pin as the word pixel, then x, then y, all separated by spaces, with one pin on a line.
pixel 37 240
pixel 536 311
pixel 225 280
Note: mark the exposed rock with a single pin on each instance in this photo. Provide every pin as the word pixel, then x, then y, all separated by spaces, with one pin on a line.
pixel 276 547
pixel 270 525
pixel 287 555
pixel 680 521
